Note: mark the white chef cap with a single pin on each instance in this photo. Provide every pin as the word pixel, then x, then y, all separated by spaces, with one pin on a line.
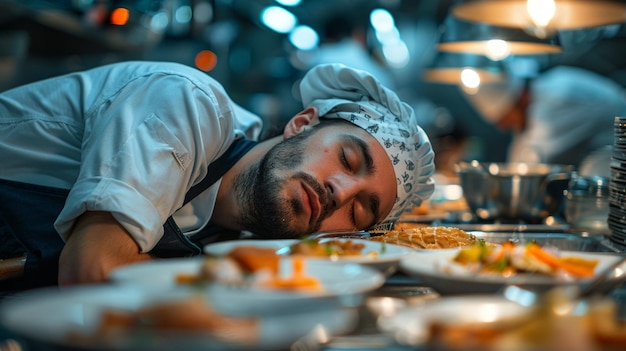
pixel 338 91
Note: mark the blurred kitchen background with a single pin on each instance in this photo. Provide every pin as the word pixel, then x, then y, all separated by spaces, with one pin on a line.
pixel 259 49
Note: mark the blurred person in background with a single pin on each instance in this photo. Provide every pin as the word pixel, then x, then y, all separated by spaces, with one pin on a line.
pixel 344 40
pixel 141 160
pixel 560 116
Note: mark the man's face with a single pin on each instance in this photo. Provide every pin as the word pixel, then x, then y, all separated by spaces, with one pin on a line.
pixel 325 179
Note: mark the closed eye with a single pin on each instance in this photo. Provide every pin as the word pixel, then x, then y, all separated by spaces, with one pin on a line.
pixel 344 160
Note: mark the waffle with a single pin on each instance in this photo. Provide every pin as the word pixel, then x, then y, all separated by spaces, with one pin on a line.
pixel 428 237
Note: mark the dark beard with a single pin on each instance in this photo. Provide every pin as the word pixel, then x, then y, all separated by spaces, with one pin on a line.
pixel 264 212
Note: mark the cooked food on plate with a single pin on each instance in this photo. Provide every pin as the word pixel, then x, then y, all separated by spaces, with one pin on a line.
pixel 191 315
pixel 253 266
pixel 331 248
pixel 554 324
pixel 428 237
pixel 509 259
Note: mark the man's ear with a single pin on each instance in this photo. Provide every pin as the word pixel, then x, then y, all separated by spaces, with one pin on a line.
pixel 305 118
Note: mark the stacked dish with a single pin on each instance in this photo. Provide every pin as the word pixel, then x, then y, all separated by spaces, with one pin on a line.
pixel 617 184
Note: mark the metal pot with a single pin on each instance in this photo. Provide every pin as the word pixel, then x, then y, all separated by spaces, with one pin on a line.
pixel 527 192
pixel 587 202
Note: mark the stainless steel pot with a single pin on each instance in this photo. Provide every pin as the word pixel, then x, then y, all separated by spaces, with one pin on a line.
pixel 513 191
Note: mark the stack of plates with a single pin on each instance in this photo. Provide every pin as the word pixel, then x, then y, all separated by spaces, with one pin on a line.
pixel 617 183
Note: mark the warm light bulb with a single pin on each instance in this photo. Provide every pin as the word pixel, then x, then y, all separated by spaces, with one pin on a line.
pixel 541 12
pixel 497 49
pixel 470 78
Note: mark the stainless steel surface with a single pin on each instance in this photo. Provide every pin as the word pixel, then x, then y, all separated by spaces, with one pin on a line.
pixel 520 191
pixel 558 236
pixel 368 335
pixel 562 241
pixel 587 202
pixel 340 234
pixel 511 228
pixel 606 280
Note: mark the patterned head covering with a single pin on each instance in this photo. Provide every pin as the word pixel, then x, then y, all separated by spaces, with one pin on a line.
pixel 356 96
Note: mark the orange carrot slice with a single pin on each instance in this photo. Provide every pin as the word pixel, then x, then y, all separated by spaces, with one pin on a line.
pixel 537 252
pixel 578 267
pixel 298 280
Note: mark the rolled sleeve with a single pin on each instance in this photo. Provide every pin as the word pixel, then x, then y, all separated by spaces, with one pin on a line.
pixel 139 185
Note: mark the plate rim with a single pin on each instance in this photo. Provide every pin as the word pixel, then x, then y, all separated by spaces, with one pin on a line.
pixel 102 296
pixel 371 279
pixel 432 275
pixel 380 259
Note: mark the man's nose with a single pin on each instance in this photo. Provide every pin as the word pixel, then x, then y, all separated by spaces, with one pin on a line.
pixel 341 189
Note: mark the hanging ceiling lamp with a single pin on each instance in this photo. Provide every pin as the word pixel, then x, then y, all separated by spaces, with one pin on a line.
pixel 466 70
pixel 542 17
pixel 496 43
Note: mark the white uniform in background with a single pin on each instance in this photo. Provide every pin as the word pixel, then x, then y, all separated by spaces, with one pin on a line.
pixel 570 115
pixel 351 53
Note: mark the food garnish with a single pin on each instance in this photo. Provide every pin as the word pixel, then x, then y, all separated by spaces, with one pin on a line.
pixel 191 315
pixel 509 259
pixel 333 248
pixel 253 266
pixel 298 280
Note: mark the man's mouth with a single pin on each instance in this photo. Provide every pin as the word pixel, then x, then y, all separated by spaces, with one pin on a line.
pixel 311 199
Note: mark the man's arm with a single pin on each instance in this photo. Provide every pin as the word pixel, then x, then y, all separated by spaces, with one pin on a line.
pixel 97 245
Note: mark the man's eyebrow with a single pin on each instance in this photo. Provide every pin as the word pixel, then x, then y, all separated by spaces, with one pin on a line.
pixel 374 200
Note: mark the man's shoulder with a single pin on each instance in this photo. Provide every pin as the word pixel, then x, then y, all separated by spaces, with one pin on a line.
pixel 154 75
pixel 143 68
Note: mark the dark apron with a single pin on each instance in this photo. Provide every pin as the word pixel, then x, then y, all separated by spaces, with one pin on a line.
pixel 28 212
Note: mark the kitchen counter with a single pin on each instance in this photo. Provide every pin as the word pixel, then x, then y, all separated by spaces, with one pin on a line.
pixel 400 292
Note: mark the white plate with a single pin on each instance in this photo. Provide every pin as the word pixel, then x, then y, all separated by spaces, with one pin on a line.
pixel 337 280
pixel 223 247
pixel 411 325
pixel 46 316
pixel 427 266
pixel 387 260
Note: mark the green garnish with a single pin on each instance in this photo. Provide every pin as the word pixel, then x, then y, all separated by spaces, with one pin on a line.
pixel 329 249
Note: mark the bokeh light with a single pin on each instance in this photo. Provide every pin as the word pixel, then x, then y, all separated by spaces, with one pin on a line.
pixel 206 60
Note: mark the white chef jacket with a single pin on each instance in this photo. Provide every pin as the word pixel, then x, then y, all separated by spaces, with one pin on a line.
pixel 128 138
pixel 571 114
